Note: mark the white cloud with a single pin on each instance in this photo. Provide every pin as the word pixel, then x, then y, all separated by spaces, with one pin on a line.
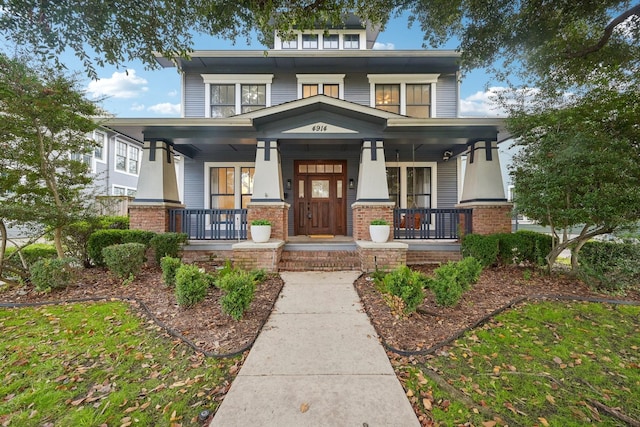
pixel 165 108
pixel 173 93
pixel 137 107
pixel 482 104
pixel 384 46
pixel 119 85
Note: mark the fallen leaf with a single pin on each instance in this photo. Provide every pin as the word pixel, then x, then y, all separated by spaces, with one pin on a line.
pixel 551 399
pixel 409 393
pixel 557 360
pixel 543 421
pixel 489 423
pixel 304 407
pixel 427 404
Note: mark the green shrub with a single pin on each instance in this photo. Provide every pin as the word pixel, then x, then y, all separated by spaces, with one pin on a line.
pixel 239 288
pixel 167 244
pixel 452 279
pixel 191 285
pixel 113 222
pixel 483 248
pixel 169 267
pixel 405 284
pixel 124 260
pixel 611 267
pixel 260 222
pixel 32 253
pixel 103 238
pixel 76 235
pixel 52 273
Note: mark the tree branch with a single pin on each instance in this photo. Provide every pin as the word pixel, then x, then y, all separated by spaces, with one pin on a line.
pixel 608 32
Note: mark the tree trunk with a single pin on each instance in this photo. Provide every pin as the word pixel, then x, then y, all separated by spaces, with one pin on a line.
pixel 574 254
pixel 57 240
pixel 3 245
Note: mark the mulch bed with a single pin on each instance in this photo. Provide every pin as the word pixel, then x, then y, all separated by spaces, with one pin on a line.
pixel 215 333
pixel 203 325
pixel 431 326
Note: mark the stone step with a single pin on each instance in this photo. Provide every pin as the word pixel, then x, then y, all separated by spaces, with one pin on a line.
pixel 319 261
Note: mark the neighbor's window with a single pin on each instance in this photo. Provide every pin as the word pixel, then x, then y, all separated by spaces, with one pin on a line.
pixel 419 100
pixel 388 97
pixel 127 158
pixel 223 100
pixel 101 139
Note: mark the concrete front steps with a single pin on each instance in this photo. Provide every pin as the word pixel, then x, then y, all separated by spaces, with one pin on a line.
pixel 325 257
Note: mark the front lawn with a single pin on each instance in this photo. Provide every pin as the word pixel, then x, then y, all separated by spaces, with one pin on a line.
pixel 96 364
pixel 539 364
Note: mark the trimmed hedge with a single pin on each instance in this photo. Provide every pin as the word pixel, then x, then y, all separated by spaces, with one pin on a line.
pixel 508 248
pixel 611 267
pixel 452 279
pixel 32 254
pixel 103 238
pixel 169 267
pixel 76 235
pixel 405 284
pixel 124 260
pixel 48 273
pixel 191 285
pixel 167 244
pixel 239 288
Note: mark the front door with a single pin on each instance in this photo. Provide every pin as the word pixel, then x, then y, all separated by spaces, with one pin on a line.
pixel 320 198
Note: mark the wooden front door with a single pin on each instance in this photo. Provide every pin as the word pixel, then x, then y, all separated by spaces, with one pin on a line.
pixel 319 193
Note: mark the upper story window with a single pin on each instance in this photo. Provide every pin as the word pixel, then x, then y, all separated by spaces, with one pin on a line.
pixel 419 100
pixel 351 41
pixel 330 41
pixel 327 84
pixel 290 44
pixel 228 95
pixel 223 100
pixel 101 142
pixel 412 95
pixel 127 157
pixel 309 41
pixel 388 97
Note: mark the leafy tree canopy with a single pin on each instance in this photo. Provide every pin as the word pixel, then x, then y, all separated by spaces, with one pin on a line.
pixel 561 41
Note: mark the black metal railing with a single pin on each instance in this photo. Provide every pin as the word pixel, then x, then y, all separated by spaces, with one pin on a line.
pixel 424 223
pixel 210 224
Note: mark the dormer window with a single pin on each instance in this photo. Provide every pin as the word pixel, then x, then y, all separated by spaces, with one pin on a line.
pixel 309 41
pixel 290 44
pixel 351 41
pixel 330 41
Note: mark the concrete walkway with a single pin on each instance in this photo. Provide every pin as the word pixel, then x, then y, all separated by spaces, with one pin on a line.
pixel 317 362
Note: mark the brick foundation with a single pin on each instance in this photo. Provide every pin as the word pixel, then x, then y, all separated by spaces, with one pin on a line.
pixel 381 256
pixel 258 256
pixel 364 212
pixel 490 219
pixel 432 257
pixel 150 217
pixel 276 213
pixel 204 255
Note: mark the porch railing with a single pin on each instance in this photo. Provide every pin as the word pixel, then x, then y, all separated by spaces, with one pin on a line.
pixel 209 224
pixel 422 223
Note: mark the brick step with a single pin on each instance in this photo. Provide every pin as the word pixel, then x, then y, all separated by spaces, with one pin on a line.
pixel 319 261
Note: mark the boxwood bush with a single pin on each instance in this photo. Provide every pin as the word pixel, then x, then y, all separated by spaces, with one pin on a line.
pixel 508 248
pixel 76 235
pixel 103 238
pixel 609 266
pixel 31 254
pixel 52 273
pixel 169 266
pixel 452 279
pixel 405 284
pixel 239 289
pixel 191 285
pixel 124 260
pixel 167 244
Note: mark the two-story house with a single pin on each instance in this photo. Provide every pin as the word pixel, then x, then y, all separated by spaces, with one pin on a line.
pixel 321 134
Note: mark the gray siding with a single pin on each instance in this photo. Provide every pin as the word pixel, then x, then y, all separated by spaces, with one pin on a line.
pixel 357 89
pixel 284 88
pixel 447 96
pixel 193 183
pixel 194 95
pixel 447 184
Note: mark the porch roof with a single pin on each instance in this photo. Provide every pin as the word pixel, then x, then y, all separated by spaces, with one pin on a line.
pixel 339 121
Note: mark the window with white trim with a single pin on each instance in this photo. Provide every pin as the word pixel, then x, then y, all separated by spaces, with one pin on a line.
pixel 327 84
pixel 331 41
pixel 351 41
pixel 411 95
pixel 101 143
pixel 229 185
pixel 127 158
pixel 309 41
pixel 411 184
pixel 119 190
pixel 229 94
pixel 290 44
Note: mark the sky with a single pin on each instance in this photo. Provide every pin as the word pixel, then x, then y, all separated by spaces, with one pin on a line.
pixel 133 91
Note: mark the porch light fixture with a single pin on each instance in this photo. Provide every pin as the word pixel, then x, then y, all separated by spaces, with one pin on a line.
pixel 352 184
pixel 447 155
pixel 289 184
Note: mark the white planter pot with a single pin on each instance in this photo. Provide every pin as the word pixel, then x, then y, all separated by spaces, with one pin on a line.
pixel 379 233
pixel 260 233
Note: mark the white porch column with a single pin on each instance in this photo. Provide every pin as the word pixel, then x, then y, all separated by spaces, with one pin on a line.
pixel 267 180
pixel 157 181
pixel 372 174
pixel 157 191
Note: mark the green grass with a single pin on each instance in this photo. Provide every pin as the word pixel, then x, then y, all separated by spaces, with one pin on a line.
pixel 100 363
pixel 539 364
